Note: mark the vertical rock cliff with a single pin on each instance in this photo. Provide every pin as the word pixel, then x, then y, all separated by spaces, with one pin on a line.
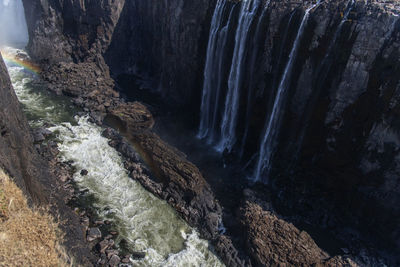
pixel 154 41
pixel 17 154
pixel 70 30
pixel 315 109
pixel 160 41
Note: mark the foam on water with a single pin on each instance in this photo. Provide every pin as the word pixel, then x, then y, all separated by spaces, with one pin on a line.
pixel 147 223
pixel 39 106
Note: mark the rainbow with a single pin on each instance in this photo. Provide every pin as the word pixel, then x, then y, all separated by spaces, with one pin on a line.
pixel 27 65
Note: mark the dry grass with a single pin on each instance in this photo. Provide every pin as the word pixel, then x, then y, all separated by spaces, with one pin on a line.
pixel 28 237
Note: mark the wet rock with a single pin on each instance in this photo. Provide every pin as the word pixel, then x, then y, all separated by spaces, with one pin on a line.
pixel 126 259
pixel 103 260
pixel 272 241
pixel 84 172
pixel 112 134
pixel 114 261
pixel 85 221
pixel 99 222
pixel 93 234
pixel 97 117
pixel 104 245
pixel 182 181
pixel 111 252
pixel 132 116
pixel 38 137
pixel 138 255
pixel 228 253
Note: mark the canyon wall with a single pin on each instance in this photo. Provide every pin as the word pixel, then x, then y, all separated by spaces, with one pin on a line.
pixel 161 43
pixel 18 157
pixel 335 145
pixel 70 30
pixel 315 112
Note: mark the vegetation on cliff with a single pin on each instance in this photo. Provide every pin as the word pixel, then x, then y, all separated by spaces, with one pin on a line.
pixel 29 236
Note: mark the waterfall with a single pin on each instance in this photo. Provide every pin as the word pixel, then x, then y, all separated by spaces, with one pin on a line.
pixel 212 71
pixel 254 56
pixel 320 77
pixel 12 16
pixel 229 119
pixel 272 124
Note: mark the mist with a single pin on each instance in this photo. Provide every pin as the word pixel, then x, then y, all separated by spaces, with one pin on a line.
pixel 13 29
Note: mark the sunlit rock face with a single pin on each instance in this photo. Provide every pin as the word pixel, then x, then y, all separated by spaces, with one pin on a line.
pixel 70 30
pixel 12 15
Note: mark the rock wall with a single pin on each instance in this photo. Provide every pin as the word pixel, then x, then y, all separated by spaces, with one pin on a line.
pixel 17 154
pixel 163 44
pixel 335 152
pixel 154 41
pixel 70 30
pixel 339 130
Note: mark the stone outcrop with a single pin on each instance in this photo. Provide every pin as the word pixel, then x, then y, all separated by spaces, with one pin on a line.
pixel 173 178
pixel 273 241
pixel 70 30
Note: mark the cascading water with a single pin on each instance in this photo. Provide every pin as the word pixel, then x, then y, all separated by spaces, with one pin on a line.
pixel 214 74
pixel 272 125
pixel 147 223
pixel 216 43
pixel 254 55
pixel 322 73
pixel 12 15
pixel 229 119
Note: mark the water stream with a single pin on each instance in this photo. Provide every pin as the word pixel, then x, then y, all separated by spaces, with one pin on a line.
pixel 272 123
pixel 147 223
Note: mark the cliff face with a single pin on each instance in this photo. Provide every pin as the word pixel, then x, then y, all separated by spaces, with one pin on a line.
pixel 316 104
pixel 344 100
pixel 339 130
pixel 17 154
pixel 155 41
pixel 163 43
pixel 70 30
pixel 335 158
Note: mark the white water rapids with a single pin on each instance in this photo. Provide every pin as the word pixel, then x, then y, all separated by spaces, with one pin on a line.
pixel 147 223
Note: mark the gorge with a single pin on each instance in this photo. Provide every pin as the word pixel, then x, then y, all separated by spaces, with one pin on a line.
pixel 269 128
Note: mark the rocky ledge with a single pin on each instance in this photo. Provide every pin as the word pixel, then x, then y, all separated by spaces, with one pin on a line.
pixel 273 241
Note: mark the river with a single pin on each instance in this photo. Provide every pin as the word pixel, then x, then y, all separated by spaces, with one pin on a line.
pixel 145 222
